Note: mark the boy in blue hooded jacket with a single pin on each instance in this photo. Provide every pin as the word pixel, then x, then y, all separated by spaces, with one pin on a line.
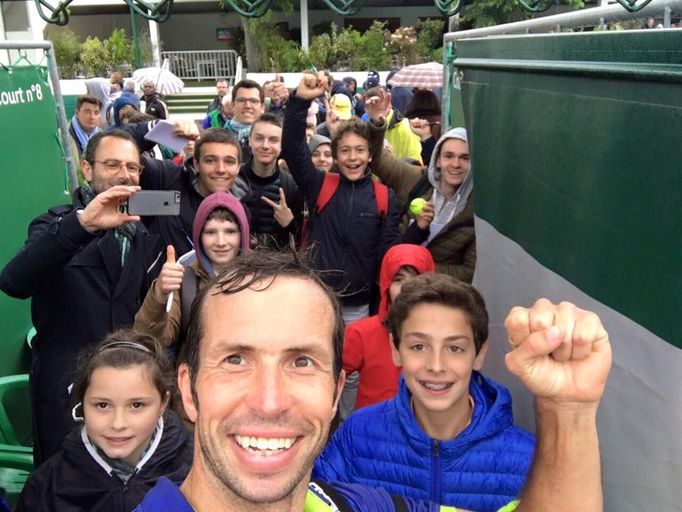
pixel 448 436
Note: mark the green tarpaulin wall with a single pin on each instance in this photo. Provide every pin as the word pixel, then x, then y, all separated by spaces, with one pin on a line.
pixel 33 179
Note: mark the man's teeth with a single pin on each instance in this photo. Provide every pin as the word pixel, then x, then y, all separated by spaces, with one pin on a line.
pixel 264 445
pixel 436 387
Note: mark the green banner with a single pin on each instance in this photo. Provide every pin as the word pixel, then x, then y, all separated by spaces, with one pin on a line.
pixel 575 150
pixel 33 179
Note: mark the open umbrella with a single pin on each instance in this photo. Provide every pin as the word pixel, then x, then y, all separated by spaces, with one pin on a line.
pixel 427 76
pixel 165 82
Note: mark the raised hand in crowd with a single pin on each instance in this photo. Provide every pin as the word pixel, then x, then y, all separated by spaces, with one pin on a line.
pixel 332 119
pixel 276 90
pixel 421 128
pixel 105 212
pixel 282 213
pixel 186 128
pixel 377 106
pixel 170 278
pixel 312 86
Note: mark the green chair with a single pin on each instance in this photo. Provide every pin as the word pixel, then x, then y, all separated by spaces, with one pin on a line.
pixel 16 453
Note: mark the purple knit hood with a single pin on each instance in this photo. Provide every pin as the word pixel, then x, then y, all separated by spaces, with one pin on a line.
pixel 210 203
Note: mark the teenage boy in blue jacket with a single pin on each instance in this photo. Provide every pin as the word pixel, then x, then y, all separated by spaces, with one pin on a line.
pixel 448 436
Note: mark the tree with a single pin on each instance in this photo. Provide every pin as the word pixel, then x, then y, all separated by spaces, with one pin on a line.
pixel 253 30
pixel 120 47
pixel 67 50
pixel 95 57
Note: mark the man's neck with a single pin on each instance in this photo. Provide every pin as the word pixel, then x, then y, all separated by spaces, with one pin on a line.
pixel 263 170
pixel 447 190
pixel 206 494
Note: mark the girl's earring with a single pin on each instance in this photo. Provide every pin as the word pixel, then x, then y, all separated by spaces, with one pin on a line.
pixel 74 413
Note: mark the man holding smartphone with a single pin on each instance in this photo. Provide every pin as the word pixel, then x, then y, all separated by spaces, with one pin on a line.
pixel 87 267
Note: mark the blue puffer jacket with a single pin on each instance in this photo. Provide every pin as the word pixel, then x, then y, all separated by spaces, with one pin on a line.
pixel 482 469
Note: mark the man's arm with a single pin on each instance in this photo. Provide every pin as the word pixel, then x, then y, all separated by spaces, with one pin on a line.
pixel 54 239
pixel 294 146
pixel 562 354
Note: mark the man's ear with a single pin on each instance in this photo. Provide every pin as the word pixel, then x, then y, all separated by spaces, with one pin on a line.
pixel 395 355
pixel 185 387
pixel 480 357
pixel 87 170
pixel 339 389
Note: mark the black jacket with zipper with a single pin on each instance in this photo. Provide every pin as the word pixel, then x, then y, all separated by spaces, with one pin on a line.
pixel 72 480
pixel 79 293
pixel 349 237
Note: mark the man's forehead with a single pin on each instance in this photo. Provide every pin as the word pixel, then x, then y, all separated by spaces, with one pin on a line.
pixel 299 293
pixel 265 128
pixel 287 308
pixel 116 147
pixel 248 91
pixel 219 149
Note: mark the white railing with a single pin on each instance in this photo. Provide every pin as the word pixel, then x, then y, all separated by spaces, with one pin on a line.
pixel 203 64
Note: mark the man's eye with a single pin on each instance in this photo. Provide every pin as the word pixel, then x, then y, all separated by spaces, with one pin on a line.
pixel 234 359
pixel 455 349
pixel 303 362
pixel 418 347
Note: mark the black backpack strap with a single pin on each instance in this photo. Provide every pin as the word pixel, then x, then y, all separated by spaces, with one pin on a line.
pixel 399 504
pixel 329 495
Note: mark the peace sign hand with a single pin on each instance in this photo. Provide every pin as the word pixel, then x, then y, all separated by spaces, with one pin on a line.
pixel 282 213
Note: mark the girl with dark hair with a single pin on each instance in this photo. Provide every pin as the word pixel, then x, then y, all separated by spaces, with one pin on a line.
pixel 126 440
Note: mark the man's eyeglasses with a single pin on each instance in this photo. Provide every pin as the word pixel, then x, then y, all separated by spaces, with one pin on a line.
pixel 250 101
pixel 112 166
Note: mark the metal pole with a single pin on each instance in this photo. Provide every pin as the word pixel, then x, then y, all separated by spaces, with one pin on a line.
pixel 666 17
pixel 154 37
pixel 304 25
pixel 135 37
pixel 61 119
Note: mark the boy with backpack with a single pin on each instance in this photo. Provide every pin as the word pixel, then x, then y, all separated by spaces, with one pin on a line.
pixel 354 219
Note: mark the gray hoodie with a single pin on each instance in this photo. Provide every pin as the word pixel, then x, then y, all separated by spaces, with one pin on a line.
pixel 446 210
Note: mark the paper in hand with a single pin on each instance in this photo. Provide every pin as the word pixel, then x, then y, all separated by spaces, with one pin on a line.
pixel 163 134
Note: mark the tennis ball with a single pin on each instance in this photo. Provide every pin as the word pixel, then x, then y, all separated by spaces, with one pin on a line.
pixel 417 206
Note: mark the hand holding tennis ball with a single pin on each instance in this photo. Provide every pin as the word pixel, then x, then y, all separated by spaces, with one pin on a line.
pixel 417 206
pixel 422 211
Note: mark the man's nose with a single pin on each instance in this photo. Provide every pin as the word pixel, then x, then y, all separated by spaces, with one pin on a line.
pixel 271 395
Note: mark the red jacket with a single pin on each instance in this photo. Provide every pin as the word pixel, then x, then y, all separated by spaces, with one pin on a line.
pixel 366 346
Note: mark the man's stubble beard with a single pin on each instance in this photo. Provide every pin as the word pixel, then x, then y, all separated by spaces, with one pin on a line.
pixel 232 485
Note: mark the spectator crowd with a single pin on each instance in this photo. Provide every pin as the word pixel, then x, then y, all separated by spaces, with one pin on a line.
pixel 304 334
